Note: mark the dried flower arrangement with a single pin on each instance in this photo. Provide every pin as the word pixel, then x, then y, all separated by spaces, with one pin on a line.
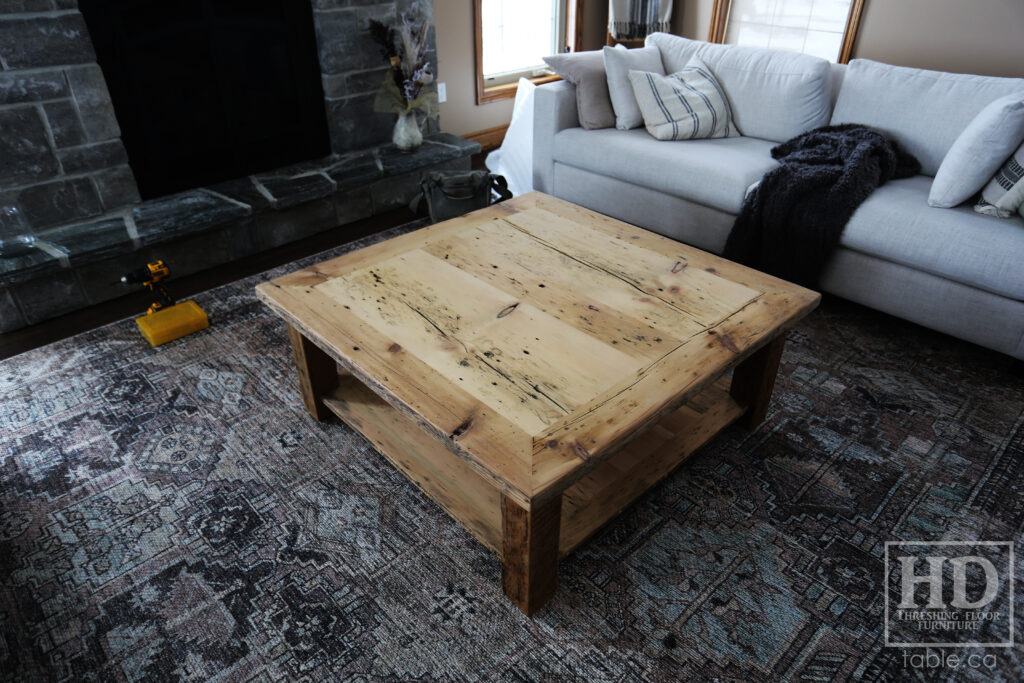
pixel 405 49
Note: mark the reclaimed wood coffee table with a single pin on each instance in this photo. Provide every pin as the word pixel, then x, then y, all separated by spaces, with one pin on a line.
pixel 534 367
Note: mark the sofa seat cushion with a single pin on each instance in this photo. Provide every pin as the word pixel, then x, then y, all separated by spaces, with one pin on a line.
pixel 715 173
pixel 896 224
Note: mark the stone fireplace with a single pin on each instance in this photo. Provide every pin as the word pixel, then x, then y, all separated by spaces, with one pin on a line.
pixel 73 141
pixel 252 72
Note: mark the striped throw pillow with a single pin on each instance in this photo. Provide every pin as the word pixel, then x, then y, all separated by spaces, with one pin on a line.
pixel 1004 194
pixel 686 105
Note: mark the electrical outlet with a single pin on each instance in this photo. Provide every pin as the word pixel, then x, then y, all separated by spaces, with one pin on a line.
pixel 442 92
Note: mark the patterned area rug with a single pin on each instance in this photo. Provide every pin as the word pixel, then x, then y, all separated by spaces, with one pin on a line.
pixel 174 514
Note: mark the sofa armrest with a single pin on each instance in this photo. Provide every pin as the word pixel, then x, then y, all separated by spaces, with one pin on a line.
pixel 554 109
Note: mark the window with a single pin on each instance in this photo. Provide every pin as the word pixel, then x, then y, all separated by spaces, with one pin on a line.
pixel 823 28
pixel 513 37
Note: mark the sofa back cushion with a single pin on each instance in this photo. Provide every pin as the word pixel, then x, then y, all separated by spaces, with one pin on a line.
pixel 586 71
pixel 838 71
pixel 925 111
pixel 618 62
pixel 774 95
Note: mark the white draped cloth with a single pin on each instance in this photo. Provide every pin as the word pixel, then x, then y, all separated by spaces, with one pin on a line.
pixel 630 19
pixel 514 159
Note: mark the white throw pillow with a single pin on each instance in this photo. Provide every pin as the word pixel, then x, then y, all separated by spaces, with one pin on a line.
pixel 988 139
pixel 618 62
pixel 686 105
pixel 1004 194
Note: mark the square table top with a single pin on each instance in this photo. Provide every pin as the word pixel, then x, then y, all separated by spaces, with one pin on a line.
pixel 535 337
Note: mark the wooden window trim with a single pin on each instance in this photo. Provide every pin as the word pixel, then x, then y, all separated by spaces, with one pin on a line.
pixel 720 19
pixel 507 90
pixel 489 138
pixel 850 34
pixel 485 94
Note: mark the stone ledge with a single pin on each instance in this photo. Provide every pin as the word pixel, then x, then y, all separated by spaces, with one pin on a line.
pixel 166 219
pixel 101 239
pixel 206 227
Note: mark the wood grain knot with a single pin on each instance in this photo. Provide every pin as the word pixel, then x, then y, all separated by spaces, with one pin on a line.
pixel 728 343
pixel 508 309
pixel 462 428
pixel 395 348
pixel 580 452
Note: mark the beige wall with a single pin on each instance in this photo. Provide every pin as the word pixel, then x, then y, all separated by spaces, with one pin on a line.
pixel 971 36
pixel 691 18
pixel 453 25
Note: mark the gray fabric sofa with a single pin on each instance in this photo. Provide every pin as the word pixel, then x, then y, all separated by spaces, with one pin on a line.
pixel 952 270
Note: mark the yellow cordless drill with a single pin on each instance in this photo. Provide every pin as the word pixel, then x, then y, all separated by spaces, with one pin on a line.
pixel 165 320
pixel 150 277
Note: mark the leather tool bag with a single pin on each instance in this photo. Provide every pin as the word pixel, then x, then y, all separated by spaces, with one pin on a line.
pixel 450 194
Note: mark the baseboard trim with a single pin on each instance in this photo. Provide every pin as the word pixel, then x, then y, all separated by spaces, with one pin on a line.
pixel 489 138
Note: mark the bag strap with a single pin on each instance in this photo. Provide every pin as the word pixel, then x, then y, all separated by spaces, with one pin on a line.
pixel 418 204
pixel 500 185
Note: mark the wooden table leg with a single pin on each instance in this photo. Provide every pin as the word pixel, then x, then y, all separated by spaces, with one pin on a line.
pixel 529 556
pixel 318 373
pixel 754 379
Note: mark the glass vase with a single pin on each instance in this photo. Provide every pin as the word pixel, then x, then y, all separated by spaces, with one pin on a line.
pixel 407 135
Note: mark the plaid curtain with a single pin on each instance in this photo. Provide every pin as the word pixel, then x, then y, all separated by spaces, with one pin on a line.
pixel 628 19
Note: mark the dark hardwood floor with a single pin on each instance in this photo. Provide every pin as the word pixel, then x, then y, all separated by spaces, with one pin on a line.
pixel 19 341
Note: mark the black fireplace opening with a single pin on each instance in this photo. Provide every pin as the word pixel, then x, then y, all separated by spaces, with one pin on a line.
pixel 210 90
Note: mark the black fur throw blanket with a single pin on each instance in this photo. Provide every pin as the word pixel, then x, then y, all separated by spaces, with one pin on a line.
pixel 792 221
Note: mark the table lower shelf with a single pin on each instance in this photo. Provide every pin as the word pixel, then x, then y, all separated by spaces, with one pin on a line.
pixel 601 495
pixel 586 506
